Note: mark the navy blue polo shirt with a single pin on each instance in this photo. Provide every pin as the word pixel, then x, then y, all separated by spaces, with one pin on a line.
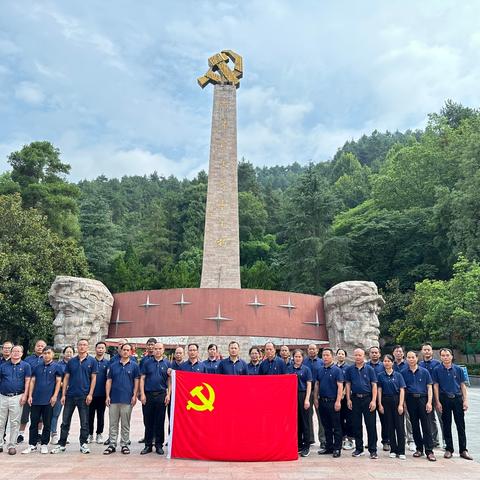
pixel 378 367
pixel 416 382
pixel 12 376
pixel 197 367
pixel 276 366
pixel 102 369
pixel 123 378
pixel 116 358
pixel 45 380
pixel 430 365
pixel 253 369
pixel 61 366
pixel 327 378
pixel 313 364
pixel 399 367
pixel 144 359
pixel 175 365
pixel 33 360
pixel 156 376
pixel 360 379
pixel 211 365
pixel 80 375
pixel 449 379
pixel 304 375
pixel 390 384
pixel 227 367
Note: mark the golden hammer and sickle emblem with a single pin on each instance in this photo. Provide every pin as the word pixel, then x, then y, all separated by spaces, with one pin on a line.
pixel 219 73
pixel 206 403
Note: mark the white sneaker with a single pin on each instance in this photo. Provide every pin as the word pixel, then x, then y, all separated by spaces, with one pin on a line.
pixel 84 448
pixel 29 449
pixel 100 438
pixel 44 449
pixel 90 439
pixel 54 439
pixel 412 447
pixel 392 455
pixel 58 449
pixel 348 445
pixel 402 457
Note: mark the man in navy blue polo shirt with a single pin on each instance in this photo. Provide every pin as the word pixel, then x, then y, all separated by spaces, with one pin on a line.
pixel 121 395
pixel 193 364
pixel 117 355
pixel 271 364
pixel 14 384
pixel 33 360
pixel 97 407
pixel 285 355
pixel 313 362
pixel 361 392
pixel 78 386
pixel 430 364
pixel 155 396
pixel 419 394
pixel 6 351
pixel 375 362
pixel 254 364
pixel 178 358
pixel 233 365
pixel 451 397
pixel 211 363
pixel 43 393
pixel 328 399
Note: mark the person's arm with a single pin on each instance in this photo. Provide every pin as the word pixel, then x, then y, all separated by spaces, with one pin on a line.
pixel 401 401
pixel 429 398
pixel 93 382
pixel 169 390
pixel 436 393
pixel 23 398
pixel 306 403
pixel 108 389
pixel 379 399
pixel 338 401
pixel 143 398
pixel 373 403
pixel 348 391
pixel 53 399
pixel 463 387
pixel 316 389
pixel 66 379
pixel 135 391
pixel 30 390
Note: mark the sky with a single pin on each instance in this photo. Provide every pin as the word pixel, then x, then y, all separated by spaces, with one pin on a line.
pixel 112 84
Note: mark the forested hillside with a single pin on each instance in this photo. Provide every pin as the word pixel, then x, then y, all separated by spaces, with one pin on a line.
pixel 394 208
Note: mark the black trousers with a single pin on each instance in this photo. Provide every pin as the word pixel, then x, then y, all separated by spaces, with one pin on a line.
pixel 154 412
pixel 40 413
pixel 360 407
pixel 96 407
pixel 346 419
pixel 383 425
pixel 394 424
pixel 72 403
pixel 303 422
pixel 331 424
pixel 455 406
pixel 418 415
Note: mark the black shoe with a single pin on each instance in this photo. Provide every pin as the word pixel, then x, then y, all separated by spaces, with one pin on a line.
pixel 107 441
pixel 386 447
pixel 373 455
pixel 142 440
pixel 336 453
pixel 146 450
pixel 159 450
pixel 1 449
pixel 20 439
pixel 305 452
pixel 358 453
pixel 324 451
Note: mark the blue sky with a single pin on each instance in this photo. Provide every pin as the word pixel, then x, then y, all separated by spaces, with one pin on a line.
pixel 113 83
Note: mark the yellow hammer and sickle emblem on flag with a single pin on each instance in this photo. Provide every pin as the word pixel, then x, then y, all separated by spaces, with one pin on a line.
pixel 205 403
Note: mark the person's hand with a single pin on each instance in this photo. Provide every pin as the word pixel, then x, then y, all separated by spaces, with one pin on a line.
pixel 400 409
pixel 380 408
pixel 23 399
pixel 167 399
pixel 338 405
pixel 349 404
pixel 306 404
pixel 143 399
pixel 133 401
pixel 439 407
pixel 108 402
pixel 53 400
pixel 372 406
pixel 89 399
pixel 428 407
pixel 62 400
pixel 465 405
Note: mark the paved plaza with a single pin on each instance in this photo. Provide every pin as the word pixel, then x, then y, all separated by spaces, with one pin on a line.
pixel 72 465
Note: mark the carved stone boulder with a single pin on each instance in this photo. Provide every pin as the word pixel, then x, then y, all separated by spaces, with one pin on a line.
pixel 351 313
pixel 83 308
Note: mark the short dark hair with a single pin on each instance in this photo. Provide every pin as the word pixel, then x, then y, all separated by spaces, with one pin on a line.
pixel 252 349
pixel 299 350
pixel 234 342
pixel 83 340
pixel 152 340
pixel 48 347
pixel 129 344
pixel 395 347
pixel 211 346
pixel 193 345
pixel 374 346
pixel 101 342
pixel 341 350
pixel 446 349
pixel 426 344
pixel 67 347
pixel 327 349
pixel 273 345
pixel 413 351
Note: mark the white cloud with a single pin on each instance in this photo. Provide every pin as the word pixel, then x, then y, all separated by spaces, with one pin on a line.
pixel 29 93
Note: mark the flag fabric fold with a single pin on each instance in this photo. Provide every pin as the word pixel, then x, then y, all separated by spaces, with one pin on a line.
pixel 233 417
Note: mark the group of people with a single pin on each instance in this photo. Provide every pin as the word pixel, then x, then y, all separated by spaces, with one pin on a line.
pixel 404 393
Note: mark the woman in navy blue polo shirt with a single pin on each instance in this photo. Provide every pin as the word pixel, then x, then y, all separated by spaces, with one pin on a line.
pixel 390 397
pixel 304 384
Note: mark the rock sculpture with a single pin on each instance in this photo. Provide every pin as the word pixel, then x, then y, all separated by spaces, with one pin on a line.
pixel 82 310
pixel 351 313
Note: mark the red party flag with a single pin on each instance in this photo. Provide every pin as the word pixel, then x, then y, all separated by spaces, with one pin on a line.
pixel 233 417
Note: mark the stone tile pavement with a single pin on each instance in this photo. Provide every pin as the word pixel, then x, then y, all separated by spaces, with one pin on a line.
pixel 74 466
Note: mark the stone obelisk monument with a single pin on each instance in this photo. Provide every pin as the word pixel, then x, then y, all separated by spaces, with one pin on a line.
pixel 221 248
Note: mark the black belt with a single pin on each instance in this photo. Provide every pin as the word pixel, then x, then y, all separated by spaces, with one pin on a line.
pixel 12 394
pixel 362 395
pixel 417 395
pixel 327 399
pixel 156 392
pixel 451 395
